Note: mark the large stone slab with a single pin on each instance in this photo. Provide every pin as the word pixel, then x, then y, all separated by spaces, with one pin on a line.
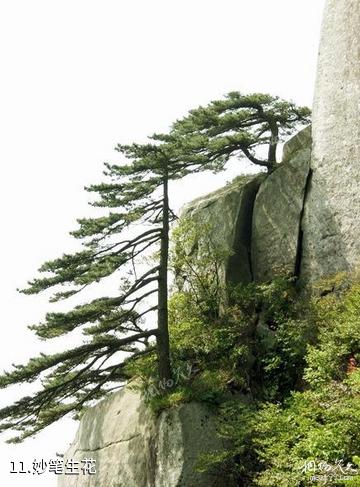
pixel 332 211
pixel 228 214
pixel 276 236
pixel 134 448
pixel 184 434
pixel 118 434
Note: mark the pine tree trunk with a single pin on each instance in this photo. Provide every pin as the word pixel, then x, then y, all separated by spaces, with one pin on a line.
pixel 163 328
pixel 273 145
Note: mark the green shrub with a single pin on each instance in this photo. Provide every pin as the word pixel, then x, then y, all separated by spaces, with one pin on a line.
pixel 320 421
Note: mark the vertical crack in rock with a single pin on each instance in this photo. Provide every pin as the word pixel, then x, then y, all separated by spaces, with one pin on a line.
pixel 299 249
pixel 250 231
pixel 239 265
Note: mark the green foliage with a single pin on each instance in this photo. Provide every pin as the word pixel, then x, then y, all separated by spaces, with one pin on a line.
pixel 283 332
pixel 339 336
pixel 198 262
pixel 321 424
pixel 316 419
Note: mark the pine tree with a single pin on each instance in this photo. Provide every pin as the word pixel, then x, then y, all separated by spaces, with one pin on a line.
pixel 113 327
pixel 116 329
pixel 238 125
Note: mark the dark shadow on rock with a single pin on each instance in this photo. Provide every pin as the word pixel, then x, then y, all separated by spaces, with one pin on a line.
pixel 239 266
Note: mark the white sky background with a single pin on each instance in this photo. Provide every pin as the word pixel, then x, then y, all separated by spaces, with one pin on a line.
pixel 79 76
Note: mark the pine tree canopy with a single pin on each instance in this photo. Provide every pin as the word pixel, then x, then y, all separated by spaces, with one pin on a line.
pixel 121 327
pixel 235 126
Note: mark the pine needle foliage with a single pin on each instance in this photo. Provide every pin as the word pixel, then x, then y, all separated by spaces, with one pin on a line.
pixel 238 125
pixel 113 327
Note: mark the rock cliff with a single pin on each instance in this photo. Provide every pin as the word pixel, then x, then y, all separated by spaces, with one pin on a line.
pixel 331 230
pixel 133 447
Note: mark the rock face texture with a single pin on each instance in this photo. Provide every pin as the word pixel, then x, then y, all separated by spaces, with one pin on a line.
pixel 118 434
pixel 331 223
pixel 228 212
pixel 134 448
pixel 183 434
pixel 276 235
